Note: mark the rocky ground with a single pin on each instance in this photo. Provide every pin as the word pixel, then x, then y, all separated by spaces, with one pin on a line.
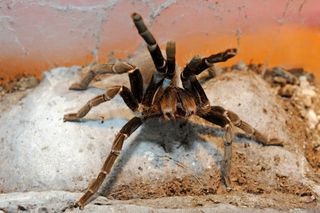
pixel 165 166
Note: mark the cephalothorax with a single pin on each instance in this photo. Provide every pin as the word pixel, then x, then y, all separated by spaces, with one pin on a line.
pixel 162 98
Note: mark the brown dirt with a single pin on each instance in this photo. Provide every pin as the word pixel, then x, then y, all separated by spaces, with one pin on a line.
pixel 188 185
pixel 207 190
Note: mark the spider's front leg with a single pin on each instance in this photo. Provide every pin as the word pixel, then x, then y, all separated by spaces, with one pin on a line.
pixel 97 69
pixel 198 65
pixel 165 67
pixel 153 47
pixel 124 133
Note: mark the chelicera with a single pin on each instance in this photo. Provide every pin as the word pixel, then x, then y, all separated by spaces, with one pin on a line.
pixel 162 98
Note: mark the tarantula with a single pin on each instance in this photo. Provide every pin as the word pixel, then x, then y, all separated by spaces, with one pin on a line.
pixel 162 98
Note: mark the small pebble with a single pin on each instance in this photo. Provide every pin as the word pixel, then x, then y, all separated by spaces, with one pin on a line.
pixel 316 143
pixel 307 101
pixel 287 91
pixel 43 210
pixel 240 66
pixel 312 118
pixel 284 74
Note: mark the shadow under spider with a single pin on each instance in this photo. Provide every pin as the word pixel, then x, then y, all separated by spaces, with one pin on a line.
pixel 175 139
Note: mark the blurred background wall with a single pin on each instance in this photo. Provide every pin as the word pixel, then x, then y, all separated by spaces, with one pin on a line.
pixel 36 35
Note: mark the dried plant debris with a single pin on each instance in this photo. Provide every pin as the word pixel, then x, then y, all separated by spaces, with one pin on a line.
pixel 18 84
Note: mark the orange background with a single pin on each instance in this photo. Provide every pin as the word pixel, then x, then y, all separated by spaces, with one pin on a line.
pixel 38 35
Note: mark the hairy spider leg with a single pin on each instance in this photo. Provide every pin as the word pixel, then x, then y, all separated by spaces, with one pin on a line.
pixel 249 130
pixel 153 47
pixel 215 116
pixel 97 69
pixel 191 83
pixel 136 84
pixel 165 68
pixel 161 80
pixel 124 133
pixel 198 65
pixel 204 63
pixel 198 91
pixel 171 59
pixel 124 92
pixel 228 119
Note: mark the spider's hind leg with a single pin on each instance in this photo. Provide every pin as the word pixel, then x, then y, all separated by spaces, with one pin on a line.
pixel 228 119
pixel 124 92
pixel 97 69
pixel 226 162
pixel 216 117
pixel 249 130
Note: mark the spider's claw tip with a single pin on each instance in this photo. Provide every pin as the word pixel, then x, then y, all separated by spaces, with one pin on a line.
pixel 76 86
pixel 276 142
pixel 78 205
pixel 70 117
pixel 136 16
pixel 65 118
pixel 232 52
